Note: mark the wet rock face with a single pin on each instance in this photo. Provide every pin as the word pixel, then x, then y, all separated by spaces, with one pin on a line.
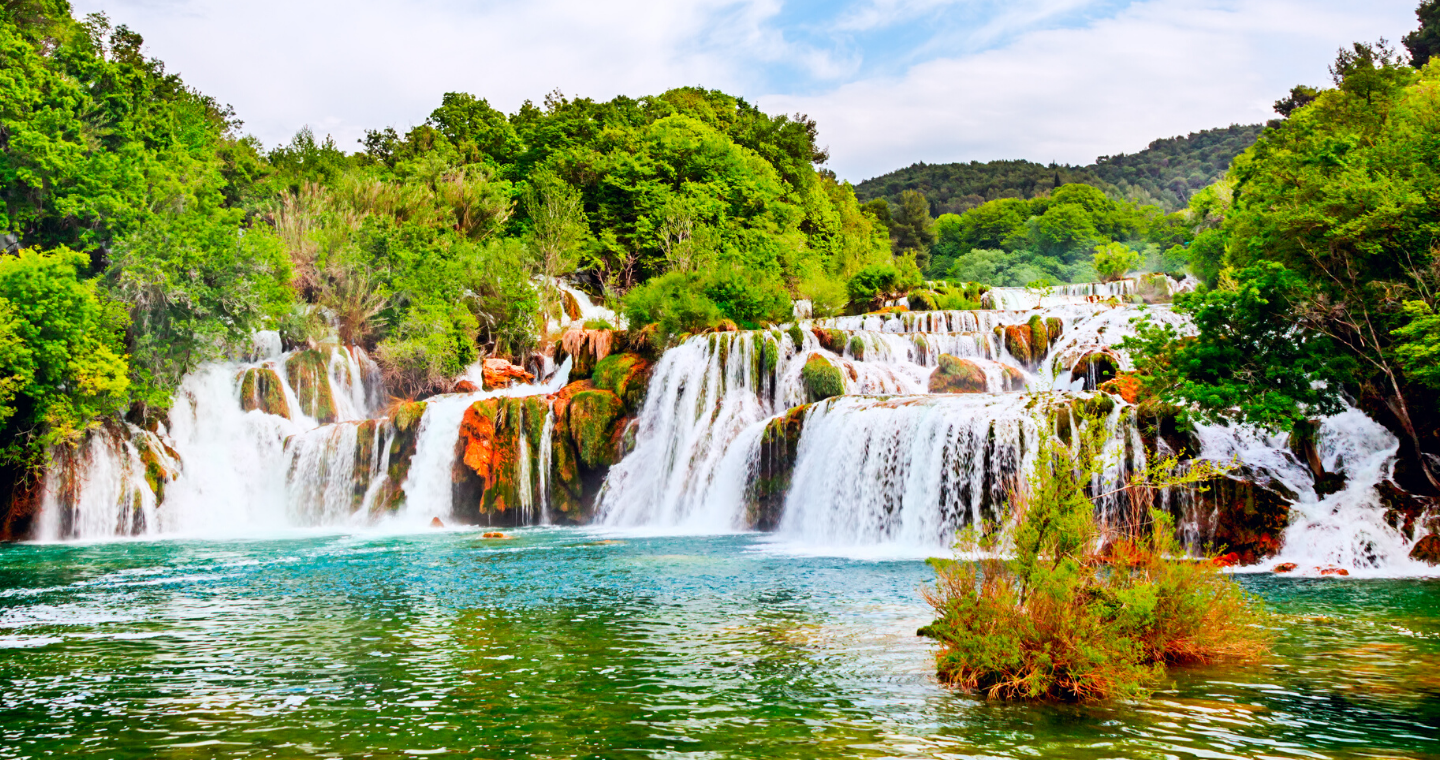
pixel 956 375
pixel 1243 516
pixel 779 446
pixel 261 389
pixel 585 349
pixel 1124 385
pixel 592 415
pixel 625 375
pixel 309 376
pixel 822 379
pixel 1427 550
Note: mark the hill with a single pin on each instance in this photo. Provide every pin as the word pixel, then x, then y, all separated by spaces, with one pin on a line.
pixel 1165 174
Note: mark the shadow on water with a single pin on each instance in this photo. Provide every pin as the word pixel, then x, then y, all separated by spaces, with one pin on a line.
pixel 559 644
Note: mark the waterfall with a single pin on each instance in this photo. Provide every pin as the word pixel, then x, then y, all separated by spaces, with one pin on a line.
pixel 106 486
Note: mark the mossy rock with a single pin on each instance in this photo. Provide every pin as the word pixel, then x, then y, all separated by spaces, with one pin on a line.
pixel 490 447
pixel 956 375
pixel 261 390
pixel 1096 367
pixel 1066 413
pixel 592 417
pixel 922 300
pixel 833 341
pixel 625 375
pixel 857 347
pixel 779 446
pixel 769 354
pixel 797 337
pixel 821 379
pixel 309 375
pixel 1017 340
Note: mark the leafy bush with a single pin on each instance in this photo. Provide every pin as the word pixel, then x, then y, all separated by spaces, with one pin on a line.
pixel 1059 620
pixel 61 359
pixel 690 302
pixel 877 283
pixel 1114 260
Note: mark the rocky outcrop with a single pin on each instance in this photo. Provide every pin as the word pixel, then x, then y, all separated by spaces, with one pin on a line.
pixel 627 376
pixel 495 474
pixel 1427 550
pixel 779 446
pixel 821 379
pixel 1125 385
pixel 1095 368
pixel 1240 514
pixel 499 373
pixel 1029 343
pixel 958 375
pixel 833 341
pixel 585 349
pixel 262 390
pixel 309 375
pixel 403 430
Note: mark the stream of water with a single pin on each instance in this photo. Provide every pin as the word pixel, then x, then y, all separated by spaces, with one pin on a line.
pixel 565 642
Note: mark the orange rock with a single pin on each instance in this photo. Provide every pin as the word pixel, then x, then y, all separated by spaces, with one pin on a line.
pixel 1334 571
pixel 477 436
pixel 499 373
pixel 1227 560
pixel 1124 385
pixel 1285 567
pixel 464 386
pixel 435 523
pixel 493 534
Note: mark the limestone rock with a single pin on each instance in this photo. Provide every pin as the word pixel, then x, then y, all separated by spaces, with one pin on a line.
pixel 1124 385
pixel 1096 368
pixel 625 375
pixel 779 445
pixel 956 375
pixel 1427 550
pixel 499 373
pixel 261 389
pixel 309 375
pixel 585 349
pixel 822 379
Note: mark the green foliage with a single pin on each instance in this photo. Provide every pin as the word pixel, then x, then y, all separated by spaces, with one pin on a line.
pixel 1114 260
pixel 1053 620
pixel 62 363
pixel 1418 344
pixel 1424 43
pixel 821 379
pixel 691 302
pixel 1249 361
pixel 878 283
pixel 913 229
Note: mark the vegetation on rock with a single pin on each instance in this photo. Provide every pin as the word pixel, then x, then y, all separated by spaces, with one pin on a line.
pixel 821 378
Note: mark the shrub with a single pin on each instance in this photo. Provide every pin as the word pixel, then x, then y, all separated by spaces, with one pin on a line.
pixel 822 379
pixel 689 302
pixel 1057 619
pixel 1114 260
pixel 877 283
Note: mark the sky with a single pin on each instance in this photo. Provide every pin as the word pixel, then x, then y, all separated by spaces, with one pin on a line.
pixel 890 82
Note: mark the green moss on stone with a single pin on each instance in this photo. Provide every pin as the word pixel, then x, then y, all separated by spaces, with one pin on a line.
pixel 821 379
pixel 956 375
pixel 261 389
pixel 309 375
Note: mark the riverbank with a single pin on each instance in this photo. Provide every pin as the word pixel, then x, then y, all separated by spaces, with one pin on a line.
pixel 568 642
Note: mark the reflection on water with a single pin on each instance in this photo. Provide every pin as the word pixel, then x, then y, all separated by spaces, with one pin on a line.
pixel 559 645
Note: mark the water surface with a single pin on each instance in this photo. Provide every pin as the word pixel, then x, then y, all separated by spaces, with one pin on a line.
pixel 561 643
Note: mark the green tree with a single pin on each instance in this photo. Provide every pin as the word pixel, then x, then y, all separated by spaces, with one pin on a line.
pixel 913 229
pixel 1424 43
pixel 1114 260
pixel 63 364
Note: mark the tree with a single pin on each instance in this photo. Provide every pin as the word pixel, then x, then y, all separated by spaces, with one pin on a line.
pixel 1299 97
pixel 1424 43
pixel 913 229
pixel 1114 260
pixel 557 225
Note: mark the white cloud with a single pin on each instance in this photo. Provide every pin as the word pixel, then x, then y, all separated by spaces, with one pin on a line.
pixel 1156 69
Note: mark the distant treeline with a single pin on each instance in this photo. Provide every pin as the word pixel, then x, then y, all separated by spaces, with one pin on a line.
pixel 1166 174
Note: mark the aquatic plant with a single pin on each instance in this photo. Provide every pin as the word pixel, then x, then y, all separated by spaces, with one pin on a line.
pixel 1060 607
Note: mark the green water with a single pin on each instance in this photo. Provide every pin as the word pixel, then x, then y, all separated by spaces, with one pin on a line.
pixel 558 645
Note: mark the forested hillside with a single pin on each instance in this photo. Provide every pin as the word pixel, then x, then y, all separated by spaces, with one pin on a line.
pixel 1166 174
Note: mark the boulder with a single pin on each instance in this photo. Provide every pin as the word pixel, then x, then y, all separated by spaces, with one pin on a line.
pixel 956 375
pixel 490 476
pixel 625 375
pixel 922 300
pixel 585 348
pixel 499 373
pixel 1125 385
pixel 571 305
pixel 857 348
pixel 592 417
pixel 1427 550
pixel 261 390
pixel 821 379
pixel 1017 340
pixel 404 437
pixel 464 386
pixel 309 375
pixel 833 341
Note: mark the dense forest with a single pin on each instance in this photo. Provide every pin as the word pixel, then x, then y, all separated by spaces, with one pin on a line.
pixel 1165 174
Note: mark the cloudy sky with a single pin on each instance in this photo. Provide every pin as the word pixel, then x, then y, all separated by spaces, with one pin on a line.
pixel 890 82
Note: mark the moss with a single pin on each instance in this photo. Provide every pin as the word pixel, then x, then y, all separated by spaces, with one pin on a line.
pixel 779 444
pixel 956 375
pixel 769 355
pixel 309 375
pixel 625 375
pixel 797 337
pixel 922 300
pixel 1018 343
pixel 822 379
pixel 261 389
pixel 1039 338
pixel 857 348
pixel 831 340
pixel 593 414
pixel 408 414
pixel 406 425
pixel 1096 368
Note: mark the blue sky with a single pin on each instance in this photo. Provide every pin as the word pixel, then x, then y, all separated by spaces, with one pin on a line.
pixel 891 82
